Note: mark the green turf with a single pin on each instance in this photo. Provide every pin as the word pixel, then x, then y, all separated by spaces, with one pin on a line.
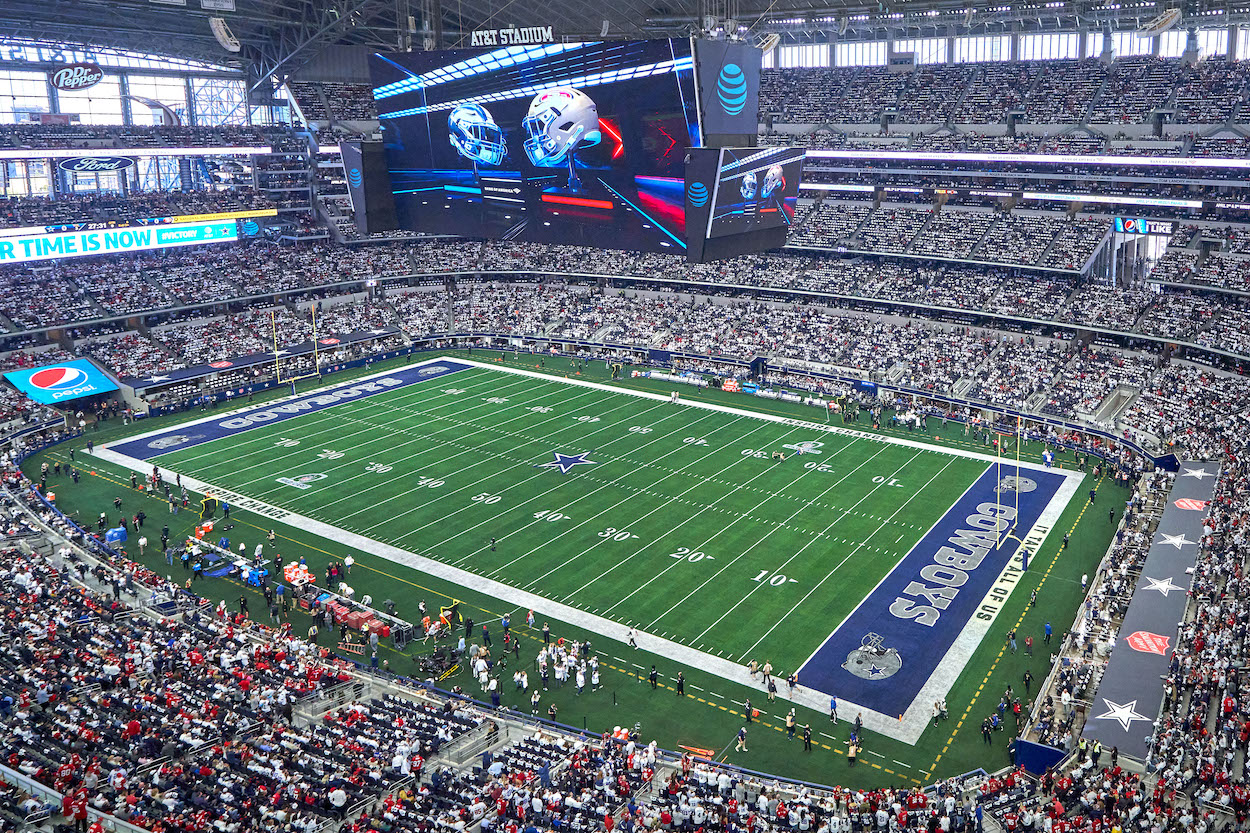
pixel 698 719
pixel 684 527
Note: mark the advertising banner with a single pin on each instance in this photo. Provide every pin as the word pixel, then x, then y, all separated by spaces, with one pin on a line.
pixel 58 383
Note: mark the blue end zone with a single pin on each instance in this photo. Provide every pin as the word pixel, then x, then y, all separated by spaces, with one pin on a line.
pixel 921 607
pixel 185 436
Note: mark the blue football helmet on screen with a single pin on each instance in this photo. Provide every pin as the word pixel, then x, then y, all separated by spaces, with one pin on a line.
pixel 474 134
pixel 773 180
pixel 748 185
pixel 558 122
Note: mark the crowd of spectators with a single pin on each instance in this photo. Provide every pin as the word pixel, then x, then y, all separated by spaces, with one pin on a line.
pixel 1126 91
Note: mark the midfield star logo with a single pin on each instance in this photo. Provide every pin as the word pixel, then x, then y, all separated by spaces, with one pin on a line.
pixel 566 462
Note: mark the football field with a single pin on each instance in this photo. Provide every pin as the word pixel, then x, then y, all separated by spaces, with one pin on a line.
pixel 872 565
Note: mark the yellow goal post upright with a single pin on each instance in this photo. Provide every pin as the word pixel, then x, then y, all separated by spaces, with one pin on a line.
pixel 1013 485
pixel 277 359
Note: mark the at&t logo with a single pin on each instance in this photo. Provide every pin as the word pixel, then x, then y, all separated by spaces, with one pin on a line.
pixel 731 89
pixel 355 178
pixel 697 194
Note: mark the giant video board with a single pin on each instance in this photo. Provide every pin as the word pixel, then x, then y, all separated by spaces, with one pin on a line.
pixel 578 143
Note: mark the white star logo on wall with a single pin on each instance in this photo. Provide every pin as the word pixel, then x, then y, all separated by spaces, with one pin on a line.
pixel 1197 474
pixel 1124 713
pixel 1177 541
pixel 1163 585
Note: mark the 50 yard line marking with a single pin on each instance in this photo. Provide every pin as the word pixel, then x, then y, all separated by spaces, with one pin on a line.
pixel 630 496
pixel 522 482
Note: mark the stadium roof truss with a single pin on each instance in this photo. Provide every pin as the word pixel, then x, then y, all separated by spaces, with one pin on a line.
pixel 279 36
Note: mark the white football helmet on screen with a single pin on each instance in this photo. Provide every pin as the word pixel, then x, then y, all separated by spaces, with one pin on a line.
pixel 558 122
pixel 774 179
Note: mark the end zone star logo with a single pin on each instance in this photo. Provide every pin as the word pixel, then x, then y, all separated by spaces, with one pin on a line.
pixel 566 462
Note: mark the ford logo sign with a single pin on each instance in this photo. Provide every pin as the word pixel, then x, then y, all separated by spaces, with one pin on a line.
pixel 95 164
pixel 76 76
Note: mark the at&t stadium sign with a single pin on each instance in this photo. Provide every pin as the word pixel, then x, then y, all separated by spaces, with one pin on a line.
pixel 512 36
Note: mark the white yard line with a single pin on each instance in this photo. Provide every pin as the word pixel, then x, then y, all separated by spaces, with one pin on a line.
pixel 558 485
pixel 846 558
pixel 763 538
pixel 326 415
pixel 666 503
pixel 633 494
pixel 453 424
pixel 338 440
pixel 538 473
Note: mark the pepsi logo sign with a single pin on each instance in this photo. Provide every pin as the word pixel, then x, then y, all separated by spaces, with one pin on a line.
pixel 95 164
pixel 58 379
pixel 219 365
pixel 76 76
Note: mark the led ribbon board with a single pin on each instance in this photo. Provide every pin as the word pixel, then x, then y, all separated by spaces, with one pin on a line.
pixel 36 247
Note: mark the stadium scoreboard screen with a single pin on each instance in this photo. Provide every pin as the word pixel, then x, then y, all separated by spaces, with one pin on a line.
pixel 756 188
pixel 578 143
pixel 739 200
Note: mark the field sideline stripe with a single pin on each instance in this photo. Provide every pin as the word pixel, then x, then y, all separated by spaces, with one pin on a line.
pixel 769 417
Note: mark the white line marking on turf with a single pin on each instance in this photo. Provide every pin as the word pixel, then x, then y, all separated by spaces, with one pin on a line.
pixel 254 434
pixel 645 547
pixel 559 485
pixel 536 474
pixel 631 496
pixel 848 556
pixel 389 440
pixel 762 538
pixel 803 549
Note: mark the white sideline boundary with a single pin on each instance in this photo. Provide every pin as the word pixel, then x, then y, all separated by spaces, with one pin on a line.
pixel 908 729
